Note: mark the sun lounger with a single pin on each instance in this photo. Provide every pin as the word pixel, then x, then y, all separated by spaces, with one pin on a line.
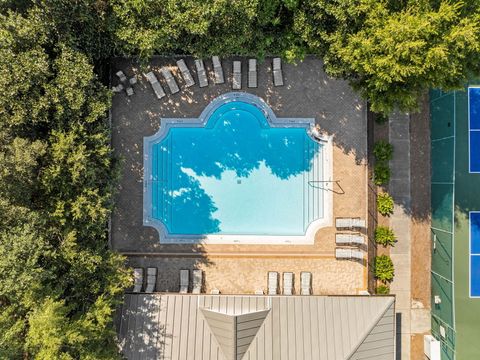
pixel 132 80
pixel 201 73
pixel 287 283
pixel 259 292
pixel 218 70
pixel 151 279
pixel 157 88
pixel 272 283
pixel 172 84
pixel 342 253
pixel 215 291
pixel 277 72
pixel 252 73
pixel 185 73
pixel 121 75
pixel 197 281
pixel 183 281
pixel 306 283
pixel 342 239
pixel 138 280
pixel 357 254
pixel 237 75
pixel 349 223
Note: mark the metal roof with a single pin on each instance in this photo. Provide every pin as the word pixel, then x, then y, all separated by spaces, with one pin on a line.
pixel 225 327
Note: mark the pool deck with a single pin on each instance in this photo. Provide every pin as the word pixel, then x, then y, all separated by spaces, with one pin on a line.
pixel 241 269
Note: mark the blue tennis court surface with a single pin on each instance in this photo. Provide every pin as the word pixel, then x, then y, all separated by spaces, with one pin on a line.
pixel 475 254
pixel 474 127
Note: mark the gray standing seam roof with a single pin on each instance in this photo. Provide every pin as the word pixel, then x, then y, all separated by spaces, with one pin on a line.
pixel 172 326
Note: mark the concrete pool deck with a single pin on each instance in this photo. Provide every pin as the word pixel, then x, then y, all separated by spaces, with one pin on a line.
pixel 308 92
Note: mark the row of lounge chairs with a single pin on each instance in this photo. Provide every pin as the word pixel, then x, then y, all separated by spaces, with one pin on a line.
pixel 126 84
pixel 351 238
pixel 288 283
pixel 197 282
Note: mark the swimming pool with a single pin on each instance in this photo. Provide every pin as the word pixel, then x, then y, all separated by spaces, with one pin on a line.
pixel 236 174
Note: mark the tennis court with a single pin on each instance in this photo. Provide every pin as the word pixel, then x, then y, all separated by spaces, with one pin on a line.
pixel 475 254
pixel 474 128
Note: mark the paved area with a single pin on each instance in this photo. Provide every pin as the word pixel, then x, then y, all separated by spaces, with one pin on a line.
pixel 412 315
pixel 308 92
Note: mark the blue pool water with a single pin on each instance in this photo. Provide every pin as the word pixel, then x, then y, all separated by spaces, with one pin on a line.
pixel 236 176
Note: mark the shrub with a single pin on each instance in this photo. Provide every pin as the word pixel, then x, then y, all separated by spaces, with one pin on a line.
pixel 381 118
pixel 381 174
pixel 384 268
pixel 383 290
pixel 385 204
pixel 384 236
pixel 383 151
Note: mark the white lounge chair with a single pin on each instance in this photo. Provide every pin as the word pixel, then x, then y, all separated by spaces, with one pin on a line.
pixel 197 281
pixel 118 88
pixel 342 253
pixel 357 255
pixel 218 70
pixel 259 292
pixel 183 281
pixel 272 283
pixel 349 223
pixel 215 291
pixel 277 72
pixel 306 283
pixel 121 75
pixel 138 280
pixel 129 91
pixel 237 75
pixel 151 279
pixel 133 80
pixel 252 73
pixel 157 88
pixel 172 84
pixel 185 73
pixel 201 73
pixel 342 239
pixel 287 283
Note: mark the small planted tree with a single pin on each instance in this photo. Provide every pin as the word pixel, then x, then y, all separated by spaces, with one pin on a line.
pixel 383 290
pixel 384 270
pixel 385 204
pixel 384 236
pixel 381 174
pixel 383 151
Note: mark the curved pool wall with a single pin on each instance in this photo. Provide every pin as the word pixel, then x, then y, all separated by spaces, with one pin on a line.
pixel 185 191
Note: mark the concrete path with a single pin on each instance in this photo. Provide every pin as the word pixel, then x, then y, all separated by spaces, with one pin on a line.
pixel 400 222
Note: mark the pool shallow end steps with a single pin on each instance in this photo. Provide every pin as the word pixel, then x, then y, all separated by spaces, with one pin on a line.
pixel 150 211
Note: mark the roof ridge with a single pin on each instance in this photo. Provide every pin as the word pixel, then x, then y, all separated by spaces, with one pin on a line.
pixel 374 323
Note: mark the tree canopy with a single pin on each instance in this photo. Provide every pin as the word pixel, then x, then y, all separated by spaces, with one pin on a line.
pixel 60 282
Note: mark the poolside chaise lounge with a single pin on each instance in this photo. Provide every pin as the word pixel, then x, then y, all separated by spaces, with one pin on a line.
pixel 272 283
pixel 357 239
pixel 157 88
pixel 201 73
pixel 118 88
pixel 151 279
pixel 252 73
pixel 277 72
pixel 183 281
pixel 344 253
pixel 237 75
pixel 185 73
pixel 138 280
pixel 197 281
pixel 172 84
pixel 218 70
pixel 306 283
pixel 349 223
pixel 287 283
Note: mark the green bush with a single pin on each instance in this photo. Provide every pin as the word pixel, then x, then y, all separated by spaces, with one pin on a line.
pixel 381 174
pixel 383 290
pixel 385 204
pixel 383 151
pixel 384 236
pixel 384 268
